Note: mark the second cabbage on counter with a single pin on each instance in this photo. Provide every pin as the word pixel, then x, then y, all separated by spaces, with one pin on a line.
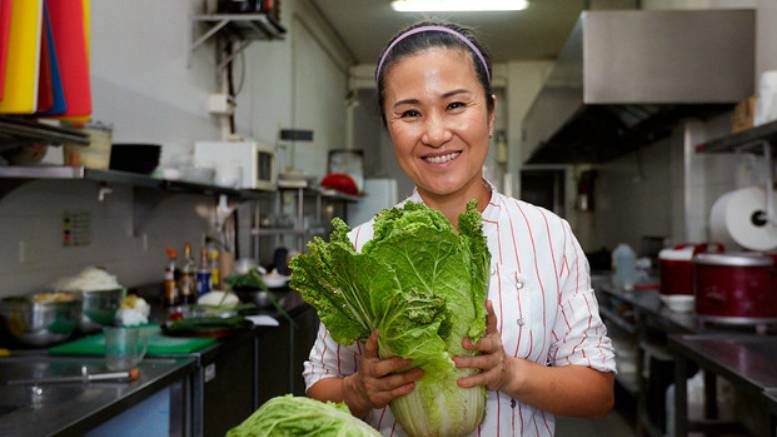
pixel 423 286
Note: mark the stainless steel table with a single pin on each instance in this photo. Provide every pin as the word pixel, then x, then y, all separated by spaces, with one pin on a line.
pixel 747 361
pixel 75 408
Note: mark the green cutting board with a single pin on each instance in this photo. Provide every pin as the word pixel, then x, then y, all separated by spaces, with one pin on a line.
pixel 158 344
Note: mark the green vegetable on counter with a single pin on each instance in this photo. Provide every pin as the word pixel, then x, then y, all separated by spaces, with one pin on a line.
pixel 423 286
pixel 252 279
pixel 289 416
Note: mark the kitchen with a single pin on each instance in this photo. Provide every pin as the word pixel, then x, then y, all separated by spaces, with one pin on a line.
pixel 296 89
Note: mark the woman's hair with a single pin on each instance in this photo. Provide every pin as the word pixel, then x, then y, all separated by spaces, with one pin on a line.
pixel 429 34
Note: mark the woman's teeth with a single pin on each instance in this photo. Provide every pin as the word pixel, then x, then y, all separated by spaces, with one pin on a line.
pixel 442 158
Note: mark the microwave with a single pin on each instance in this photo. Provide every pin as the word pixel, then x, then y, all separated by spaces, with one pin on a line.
pixel 259 167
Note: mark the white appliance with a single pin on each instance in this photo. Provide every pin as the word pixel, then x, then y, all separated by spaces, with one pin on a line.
pixel 378 194
pixel 257 162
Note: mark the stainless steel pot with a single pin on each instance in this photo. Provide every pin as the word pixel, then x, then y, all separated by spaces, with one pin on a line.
pixel 39 324
pixel 99 308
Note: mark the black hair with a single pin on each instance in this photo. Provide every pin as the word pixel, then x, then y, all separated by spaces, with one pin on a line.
pixel 426 40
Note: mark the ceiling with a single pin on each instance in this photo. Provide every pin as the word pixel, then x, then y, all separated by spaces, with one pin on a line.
pixel 538 32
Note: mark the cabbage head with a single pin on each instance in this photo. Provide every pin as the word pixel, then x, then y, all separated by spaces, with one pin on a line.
pixel 423 286
pixel 290 416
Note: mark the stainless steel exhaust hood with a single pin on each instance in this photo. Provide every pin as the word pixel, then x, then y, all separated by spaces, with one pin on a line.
pixel 625 77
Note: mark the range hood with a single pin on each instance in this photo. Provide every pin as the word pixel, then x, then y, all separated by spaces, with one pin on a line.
pixel 625 77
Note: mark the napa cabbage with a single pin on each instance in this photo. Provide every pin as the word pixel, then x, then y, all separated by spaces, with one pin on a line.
pixel 290 416
pixel 423 285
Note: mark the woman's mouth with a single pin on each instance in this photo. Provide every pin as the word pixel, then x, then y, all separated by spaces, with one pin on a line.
pixel 441 159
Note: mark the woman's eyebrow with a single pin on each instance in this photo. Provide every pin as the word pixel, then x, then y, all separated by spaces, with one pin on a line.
pixel 444 96
pixel 454 92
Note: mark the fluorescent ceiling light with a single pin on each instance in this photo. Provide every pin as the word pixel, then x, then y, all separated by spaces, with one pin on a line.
pixel 458 5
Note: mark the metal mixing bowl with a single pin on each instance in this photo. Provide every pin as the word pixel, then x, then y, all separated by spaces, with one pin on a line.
pixel 99 308
pixel 39 324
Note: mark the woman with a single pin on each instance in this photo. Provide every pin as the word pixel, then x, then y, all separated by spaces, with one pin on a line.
pixel 546 352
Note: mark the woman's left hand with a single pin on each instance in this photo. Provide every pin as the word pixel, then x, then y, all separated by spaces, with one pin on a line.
pixel 495 364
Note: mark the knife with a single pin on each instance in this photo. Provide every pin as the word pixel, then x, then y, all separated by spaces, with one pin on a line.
pixel 128 375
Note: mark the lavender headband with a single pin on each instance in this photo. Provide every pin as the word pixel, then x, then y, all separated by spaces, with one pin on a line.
pixel 444 29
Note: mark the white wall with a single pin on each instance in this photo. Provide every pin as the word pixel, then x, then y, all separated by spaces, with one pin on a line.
pixel 766 37
pixel 143 87
pixel 699 4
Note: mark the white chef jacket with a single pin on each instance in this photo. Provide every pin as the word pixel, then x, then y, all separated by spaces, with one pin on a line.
pixel 545 307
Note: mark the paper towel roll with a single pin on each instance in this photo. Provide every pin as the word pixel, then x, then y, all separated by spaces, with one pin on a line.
pixel 732 220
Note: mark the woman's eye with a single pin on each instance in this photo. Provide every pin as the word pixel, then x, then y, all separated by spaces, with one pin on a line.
pixel 410 113
pixel 455 105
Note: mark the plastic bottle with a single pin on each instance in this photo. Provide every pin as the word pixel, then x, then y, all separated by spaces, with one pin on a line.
pixel 171 296
pixel 203 273
pixel 624 262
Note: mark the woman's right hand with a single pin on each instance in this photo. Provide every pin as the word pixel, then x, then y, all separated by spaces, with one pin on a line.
pixel 377 382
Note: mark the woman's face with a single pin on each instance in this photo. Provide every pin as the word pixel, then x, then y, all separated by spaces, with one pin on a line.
pixel 438 120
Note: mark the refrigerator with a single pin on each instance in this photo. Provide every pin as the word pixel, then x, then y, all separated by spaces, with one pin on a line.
pixel 379 193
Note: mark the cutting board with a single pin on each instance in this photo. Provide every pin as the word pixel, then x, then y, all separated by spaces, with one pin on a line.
pixel 158 344
pixel 67 25
pixel 5 27
pixel 20 89
pixel 50 68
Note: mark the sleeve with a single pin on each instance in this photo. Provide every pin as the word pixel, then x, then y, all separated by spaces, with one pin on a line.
pixel 328 359
pixel 580 336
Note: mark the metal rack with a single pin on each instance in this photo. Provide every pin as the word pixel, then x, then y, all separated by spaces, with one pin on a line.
pixel 298 230
pixel 246 27
pixel 21 131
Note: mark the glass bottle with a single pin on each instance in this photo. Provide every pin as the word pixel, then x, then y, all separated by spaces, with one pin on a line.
pixel 186 283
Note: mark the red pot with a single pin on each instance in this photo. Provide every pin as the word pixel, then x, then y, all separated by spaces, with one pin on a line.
pixel 738 288
pixel 676 266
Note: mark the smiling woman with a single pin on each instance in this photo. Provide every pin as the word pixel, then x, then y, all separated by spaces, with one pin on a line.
pixel 546 350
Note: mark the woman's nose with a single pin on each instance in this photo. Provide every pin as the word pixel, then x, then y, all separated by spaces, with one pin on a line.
pixel 437 132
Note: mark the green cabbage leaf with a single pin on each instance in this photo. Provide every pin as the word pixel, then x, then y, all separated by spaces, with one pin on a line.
pixel 290 416
pixel 423 286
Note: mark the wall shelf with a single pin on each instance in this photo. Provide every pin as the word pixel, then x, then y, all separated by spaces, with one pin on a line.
pixel 21 131
pixel 246 27
pixel 732 142
pixel 13 173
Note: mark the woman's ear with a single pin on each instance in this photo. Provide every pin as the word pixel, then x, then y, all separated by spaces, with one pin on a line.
pixel 492 116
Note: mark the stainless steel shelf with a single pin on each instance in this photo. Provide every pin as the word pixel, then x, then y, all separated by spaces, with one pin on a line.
pixel 120 177
pixel 730 143
pixel 246 27
pixel 324 193
pixel 267 232
pixel 618 320
pixel 19 131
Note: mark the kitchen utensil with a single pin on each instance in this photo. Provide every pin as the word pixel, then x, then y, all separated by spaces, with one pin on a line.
pixel 125 347
pixel 20 92
pixel 128 375
pixel 263 298
pixel 99 308
pixel 39 323
pixel 676 265
pixel 735 288
pixel 158 344
pixel 67 25
pixel 135 158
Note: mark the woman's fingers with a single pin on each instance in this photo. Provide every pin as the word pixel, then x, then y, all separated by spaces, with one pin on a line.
pixel 380 368
pixel 392 382
pixel 492 379
pixel 490 318
pixel 477 362
pixel 371 346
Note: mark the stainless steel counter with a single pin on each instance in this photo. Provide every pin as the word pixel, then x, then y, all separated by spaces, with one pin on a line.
pixel 746 361
pixel 74 408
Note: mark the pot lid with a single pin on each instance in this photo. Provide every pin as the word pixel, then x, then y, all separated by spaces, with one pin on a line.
pixel 743 259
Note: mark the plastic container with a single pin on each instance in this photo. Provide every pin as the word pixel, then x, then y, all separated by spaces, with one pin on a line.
pixel 624 262
pixel 97 154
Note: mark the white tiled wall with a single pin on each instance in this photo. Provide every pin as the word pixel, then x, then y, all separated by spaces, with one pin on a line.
pixel 32 215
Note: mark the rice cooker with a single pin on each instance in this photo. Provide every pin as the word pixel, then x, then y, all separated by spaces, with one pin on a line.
pixel 676 265
pixel 735 288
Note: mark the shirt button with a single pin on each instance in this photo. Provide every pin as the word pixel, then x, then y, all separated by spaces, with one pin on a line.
pixel 520 321
pixel 519 282
pixel 493 270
